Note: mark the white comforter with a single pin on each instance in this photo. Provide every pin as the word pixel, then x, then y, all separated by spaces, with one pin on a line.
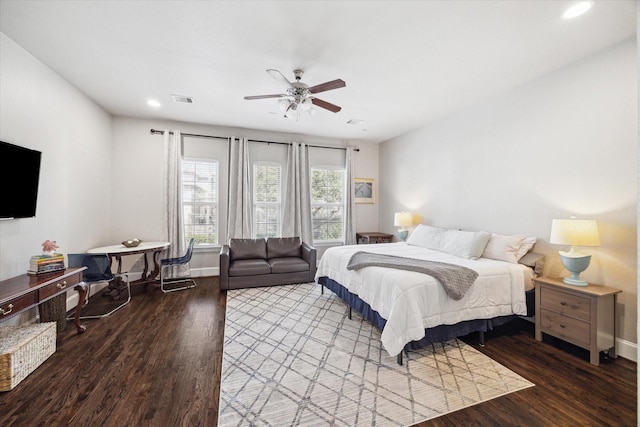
pixel 411 302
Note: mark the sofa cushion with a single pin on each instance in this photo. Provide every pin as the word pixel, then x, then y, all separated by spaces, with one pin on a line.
pixel 288 265
pixel 248 249
pixel 249 267
pixel 281 247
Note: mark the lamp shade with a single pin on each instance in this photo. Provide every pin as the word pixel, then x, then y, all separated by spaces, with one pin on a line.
pixel 402 219
pixel 574 232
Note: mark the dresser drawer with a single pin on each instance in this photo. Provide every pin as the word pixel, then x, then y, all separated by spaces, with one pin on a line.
pixel 18 304
pixel 565 303
pixel 59 286
pixel 565 327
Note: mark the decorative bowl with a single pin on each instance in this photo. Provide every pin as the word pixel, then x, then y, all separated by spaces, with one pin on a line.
pixel 132 243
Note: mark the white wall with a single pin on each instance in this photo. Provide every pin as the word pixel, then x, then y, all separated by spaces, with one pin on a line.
pixel 564 144
pixel 39 110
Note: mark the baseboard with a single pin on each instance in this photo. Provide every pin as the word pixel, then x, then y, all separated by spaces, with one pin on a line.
pixel 627 349
pixel 207 271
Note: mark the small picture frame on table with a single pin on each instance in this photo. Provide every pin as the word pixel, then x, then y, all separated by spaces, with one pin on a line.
pixel 365 189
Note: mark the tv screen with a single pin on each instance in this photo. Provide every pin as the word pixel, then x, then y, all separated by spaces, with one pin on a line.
pixel 19 175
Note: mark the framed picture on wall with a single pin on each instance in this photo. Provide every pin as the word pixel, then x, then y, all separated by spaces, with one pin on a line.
pixel 365 190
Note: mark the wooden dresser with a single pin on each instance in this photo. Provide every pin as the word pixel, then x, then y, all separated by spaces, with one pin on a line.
pixel 20 293
pixel 581 315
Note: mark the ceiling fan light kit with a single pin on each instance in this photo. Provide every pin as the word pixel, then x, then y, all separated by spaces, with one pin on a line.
pixel 299 96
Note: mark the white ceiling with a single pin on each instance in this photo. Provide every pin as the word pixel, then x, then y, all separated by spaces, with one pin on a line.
pixel 404 62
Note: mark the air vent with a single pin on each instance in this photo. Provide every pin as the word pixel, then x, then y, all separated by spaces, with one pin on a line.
pixel 182 98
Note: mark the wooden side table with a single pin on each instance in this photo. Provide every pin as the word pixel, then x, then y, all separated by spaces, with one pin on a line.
pixel 581 315
pixel 373 237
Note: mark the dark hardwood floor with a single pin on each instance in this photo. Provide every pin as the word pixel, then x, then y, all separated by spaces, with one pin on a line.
pixel 157 361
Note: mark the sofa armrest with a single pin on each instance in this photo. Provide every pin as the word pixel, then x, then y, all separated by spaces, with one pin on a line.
pixel 309 255
pixel 225 254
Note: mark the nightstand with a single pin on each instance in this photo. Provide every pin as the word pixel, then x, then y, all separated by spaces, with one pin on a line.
pixel 581 315
pixel 373 237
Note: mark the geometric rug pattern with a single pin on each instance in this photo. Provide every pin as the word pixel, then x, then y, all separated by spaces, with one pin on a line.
pixel 292 357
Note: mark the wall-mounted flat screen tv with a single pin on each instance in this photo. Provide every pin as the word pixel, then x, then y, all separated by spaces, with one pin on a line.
pixel 19 175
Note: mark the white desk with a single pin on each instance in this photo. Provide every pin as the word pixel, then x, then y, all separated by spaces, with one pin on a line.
pixel 144 248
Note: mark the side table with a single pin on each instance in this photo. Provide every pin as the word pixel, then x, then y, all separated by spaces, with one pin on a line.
pixel 581 315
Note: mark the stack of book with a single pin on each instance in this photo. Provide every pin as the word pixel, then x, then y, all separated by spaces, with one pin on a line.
pixel 39 264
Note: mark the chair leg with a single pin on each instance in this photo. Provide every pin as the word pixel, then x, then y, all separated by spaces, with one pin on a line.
pixel 173 281
pixel 100 316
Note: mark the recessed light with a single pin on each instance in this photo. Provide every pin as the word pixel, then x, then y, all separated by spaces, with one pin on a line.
pixel 354 122
pixel 153 103
pixel 578 9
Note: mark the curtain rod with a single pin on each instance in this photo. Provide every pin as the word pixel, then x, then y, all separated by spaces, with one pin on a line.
pixel 161 132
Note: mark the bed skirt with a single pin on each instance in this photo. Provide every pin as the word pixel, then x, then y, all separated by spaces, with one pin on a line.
pixel 432 335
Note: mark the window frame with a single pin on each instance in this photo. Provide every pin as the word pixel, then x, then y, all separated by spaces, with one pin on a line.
pixel 255 204
pixel 342 204
pixel 215 202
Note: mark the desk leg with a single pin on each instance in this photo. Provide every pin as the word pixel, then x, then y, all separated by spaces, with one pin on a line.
pixel 82 296
pixel 156 264
pixel 116 286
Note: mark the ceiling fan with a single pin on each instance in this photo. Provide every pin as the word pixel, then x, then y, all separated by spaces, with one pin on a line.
pixel 300 96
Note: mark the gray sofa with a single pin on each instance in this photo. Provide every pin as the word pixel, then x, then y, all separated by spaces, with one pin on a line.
pixel 248 263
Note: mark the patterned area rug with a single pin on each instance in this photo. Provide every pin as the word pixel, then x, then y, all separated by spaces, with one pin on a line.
pixel 293 357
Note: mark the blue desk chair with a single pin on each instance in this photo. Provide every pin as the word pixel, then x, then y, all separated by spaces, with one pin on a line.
pixel 98 271
pixel 173 262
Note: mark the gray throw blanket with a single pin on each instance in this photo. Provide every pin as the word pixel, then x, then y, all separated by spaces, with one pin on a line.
pixel 455 279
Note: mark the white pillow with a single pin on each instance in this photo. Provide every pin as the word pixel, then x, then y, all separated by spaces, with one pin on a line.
pixel 465 244
pixel 526 246
pixel 503 248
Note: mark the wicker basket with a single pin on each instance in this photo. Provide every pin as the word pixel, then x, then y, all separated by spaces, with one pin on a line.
pixel 23 349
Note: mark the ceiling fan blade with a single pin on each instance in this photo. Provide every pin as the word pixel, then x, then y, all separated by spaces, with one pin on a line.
pixel 326 105
pixel 264 96
pixel 334 84
pixel 278 76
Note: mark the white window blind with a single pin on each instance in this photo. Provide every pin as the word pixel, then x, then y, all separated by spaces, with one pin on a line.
pixel 200 200
pixel 267 185
pixel 327 204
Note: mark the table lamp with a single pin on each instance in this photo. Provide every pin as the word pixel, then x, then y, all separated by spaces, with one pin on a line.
pixel 574 232
pixel 403 220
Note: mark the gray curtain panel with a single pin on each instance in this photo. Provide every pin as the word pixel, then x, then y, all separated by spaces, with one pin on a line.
pixel 239 222
pixel 350 205
pixel 296 216
pixel 174 217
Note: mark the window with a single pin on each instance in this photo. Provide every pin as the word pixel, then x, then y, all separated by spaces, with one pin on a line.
pixel 200 200
pixel 327 204
pixel 266 199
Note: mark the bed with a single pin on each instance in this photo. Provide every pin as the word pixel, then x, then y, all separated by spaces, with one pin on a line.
pixel 413 309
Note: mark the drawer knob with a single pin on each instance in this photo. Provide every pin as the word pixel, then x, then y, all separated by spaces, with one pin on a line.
pixel 62 285
pixel 562 325
pixel 563 303
pixel 4 311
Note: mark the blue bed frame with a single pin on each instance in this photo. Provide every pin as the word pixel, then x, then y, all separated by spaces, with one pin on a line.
pixel 432 335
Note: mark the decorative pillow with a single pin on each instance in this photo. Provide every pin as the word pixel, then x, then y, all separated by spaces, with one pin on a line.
pixel 465 244
pixel 503 248
pixel 526 246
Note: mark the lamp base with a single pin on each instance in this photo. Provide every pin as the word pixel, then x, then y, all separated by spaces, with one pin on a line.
pixel 575 282
pixel 575 265
pixel 403 234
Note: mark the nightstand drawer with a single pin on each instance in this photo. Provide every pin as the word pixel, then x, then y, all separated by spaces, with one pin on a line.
pixel 565 327
pixel 565 303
